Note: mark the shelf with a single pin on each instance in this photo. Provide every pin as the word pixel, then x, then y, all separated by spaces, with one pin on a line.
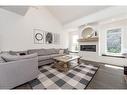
pixel 93 39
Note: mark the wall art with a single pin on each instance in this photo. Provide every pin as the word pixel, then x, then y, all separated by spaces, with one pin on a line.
pixel 49 38
pixel 38 36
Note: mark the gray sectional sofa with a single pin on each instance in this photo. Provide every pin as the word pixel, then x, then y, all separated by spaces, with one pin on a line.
pixel 18 67
pixel 45 56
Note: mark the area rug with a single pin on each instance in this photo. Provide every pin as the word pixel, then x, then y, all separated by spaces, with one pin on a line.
pixel 76 78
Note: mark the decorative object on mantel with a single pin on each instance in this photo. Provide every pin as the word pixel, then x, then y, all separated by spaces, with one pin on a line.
pixel 38 36
pixel 88 35
pixel 88 32
pixel 95 34
pixel 92 39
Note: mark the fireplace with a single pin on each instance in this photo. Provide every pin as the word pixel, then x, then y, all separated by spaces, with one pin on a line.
pixel 91 48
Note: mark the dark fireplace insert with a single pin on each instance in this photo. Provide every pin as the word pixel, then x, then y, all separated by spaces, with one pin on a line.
pixel 91 48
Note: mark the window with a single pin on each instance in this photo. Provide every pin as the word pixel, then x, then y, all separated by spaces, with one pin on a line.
pixel 74 46
pixel 114 41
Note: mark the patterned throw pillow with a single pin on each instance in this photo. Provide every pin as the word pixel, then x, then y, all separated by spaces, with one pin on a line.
pixel 61 51
pixel 1 60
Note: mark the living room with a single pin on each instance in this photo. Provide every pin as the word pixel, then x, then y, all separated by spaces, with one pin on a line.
pixel 63 47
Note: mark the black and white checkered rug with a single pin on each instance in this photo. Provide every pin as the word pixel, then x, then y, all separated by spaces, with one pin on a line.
pixel 76 78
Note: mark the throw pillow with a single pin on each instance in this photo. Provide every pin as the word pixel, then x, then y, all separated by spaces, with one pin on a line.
pixel 1 60
pixel 66 51
pixel 13 53
pixel 61 51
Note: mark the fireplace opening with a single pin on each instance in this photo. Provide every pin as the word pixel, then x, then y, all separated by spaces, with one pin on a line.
pixel 91 48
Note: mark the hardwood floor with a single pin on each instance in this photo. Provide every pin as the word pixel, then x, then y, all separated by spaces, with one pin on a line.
pixel 107 78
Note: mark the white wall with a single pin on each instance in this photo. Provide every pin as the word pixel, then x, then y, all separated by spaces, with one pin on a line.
pixel 16 32
pixel 64 39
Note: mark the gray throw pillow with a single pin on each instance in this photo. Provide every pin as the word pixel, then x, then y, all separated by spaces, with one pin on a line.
pixel 13 53
pixel 66 51
pixel 9 57
pixel 1 60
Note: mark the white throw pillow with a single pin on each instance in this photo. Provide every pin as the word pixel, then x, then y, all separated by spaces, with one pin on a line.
pixel 61 51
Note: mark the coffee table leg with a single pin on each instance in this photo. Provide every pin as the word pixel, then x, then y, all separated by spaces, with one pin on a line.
pixel 65 67
pixel 78 60
pixel 55 63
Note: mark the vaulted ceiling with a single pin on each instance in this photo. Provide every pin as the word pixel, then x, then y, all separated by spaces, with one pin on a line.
pixel 21 10
pixel 66 14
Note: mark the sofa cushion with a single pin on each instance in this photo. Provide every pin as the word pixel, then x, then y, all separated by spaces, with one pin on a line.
pixel 9 57
pixel 32 51
pixel 43 52
pixel 56 55
pixel 18 52
pixel 51 51
pixel 57 51
pixel 40 52
pixel 40 58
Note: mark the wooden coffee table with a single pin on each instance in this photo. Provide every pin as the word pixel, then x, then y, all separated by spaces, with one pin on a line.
pixel 64 63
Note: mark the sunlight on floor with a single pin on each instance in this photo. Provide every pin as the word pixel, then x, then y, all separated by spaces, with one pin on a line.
pixel 115 67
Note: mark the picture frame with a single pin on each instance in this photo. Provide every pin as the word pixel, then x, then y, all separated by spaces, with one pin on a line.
pixel 38 36
pixel 49 38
